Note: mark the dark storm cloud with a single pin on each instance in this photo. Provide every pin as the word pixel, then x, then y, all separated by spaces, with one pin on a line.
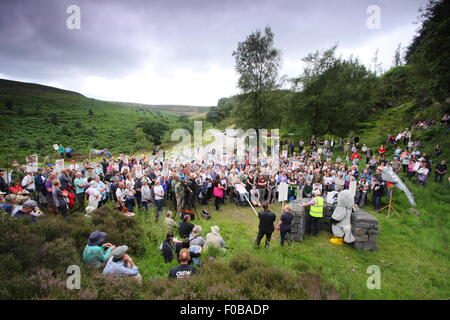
pixel 119 37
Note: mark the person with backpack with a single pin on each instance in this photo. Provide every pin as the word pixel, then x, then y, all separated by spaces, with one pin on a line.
pixel 196 243
pixel 59 198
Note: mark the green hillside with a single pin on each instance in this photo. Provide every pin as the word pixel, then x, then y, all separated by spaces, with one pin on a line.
pixel 34 117
pixel 176 109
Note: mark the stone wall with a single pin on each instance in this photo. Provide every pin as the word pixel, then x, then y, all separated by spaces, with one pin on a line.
pixel 365 229
pixel 364 225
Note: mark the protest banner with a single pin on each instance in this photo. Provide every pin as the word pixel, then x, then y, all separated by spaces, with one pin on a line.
pixel 32 163
pixel 352 187
pixel 59 165
pixel 282 192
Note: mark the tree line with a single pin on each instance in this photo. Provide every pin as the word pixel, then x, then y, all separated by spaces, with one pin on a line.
pixel 334 94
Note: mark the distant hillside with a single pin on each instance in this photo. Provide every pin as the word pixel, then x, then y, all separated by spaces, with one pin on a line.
pixel 33 117
pixel 17 87
pixel 177 109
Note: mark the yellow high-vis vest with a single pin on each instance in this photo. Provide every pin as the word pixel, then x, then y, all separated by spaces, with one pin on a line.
pixel 317 209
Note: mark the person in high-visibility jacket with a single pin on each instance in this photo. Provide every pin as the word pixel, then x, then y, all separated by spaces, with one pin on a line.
pixel 316 212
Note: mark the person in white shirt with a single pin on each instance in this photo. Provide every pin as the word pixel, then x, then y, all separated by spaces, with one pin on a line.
pixel 28 182
pixel 103 189
pixel 129 194
pixel 120 196
pixel 159 196
pixel 94 195
pixel 422 174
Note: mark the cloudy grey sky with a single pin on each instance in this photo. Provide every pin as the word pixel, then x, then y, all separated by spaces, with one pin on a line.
pixel 179 51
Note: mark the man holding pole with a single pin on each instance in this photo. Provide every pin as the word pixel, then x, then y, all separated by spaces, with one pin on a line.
pixel 266 228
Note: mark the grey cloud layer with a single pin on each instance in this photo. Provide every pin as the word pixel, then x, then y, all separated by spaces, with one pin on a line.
pixel 120 37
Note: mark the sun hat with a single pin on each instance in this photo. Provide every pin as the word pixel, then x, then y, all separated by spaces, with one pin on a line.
pixel 11 197
pixel 29 204
pixel 96 238
pixel 215 230
pixel 119 252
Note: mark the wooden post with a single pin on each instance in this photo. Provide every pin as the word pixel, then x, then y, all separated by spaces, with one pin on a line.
pixel 390 202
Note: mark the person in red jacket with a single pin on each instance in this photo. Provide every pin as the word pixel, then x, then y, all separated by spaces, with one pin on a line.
pixel 381 150
pixel 71 198
pixel 16 189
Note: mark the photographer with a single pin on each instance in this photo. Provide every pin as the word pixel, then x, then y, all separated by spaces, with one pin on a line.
pixel 190 189
pixel 179 190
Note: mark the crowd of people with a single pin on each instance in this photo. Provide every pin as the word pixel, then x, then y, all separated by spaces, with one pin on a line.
pixel 151 185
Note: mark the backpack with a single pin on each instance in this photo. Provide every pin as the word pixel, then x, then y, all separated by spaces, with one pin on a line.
pixel 218 192
pixel 206 214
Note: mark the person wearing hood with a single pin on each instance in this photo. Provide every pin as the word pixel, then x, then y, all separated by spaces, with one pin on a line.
pixel 95 253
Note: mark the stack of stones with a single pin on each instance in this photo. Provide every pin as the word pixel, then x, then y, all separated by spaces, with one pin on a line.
pixel 364 225
pixel 365 229
pixel 298 223
pixel 325 222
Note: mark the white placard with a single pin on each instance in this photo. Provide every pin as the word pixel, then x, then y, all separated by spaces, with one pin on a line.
pixel 282 192
pixel 59 165
pixel 240 188
pixel 32 163
pixel 352 187
pixel 139 171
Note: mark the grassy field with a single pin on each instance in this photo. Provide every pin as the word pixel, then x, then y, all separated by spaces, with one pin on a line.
pixel 413 251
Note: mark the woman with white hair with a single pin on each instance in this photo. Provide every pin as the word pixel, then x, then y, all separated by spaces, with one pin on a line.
pixel 214 239
pixel 94 195
pixel 316 212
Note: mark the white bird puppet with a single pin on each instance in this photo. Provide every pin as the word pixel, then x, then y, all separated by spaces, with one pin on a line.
pixel 388 175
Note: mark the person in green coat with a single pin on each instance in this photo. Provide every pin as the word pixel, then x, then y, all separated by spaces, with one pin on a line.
pixel 61 151
pixel 95 254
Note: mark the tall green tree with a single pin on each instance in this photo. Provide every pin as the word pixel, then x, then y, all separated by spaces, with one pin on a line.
pixel 398 61
pixel 257 63
pixel 429 53
pixel 333 94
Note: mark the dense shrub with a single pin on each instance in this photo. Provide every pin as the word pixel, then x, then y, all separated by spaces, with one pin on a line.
pixel 34 259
